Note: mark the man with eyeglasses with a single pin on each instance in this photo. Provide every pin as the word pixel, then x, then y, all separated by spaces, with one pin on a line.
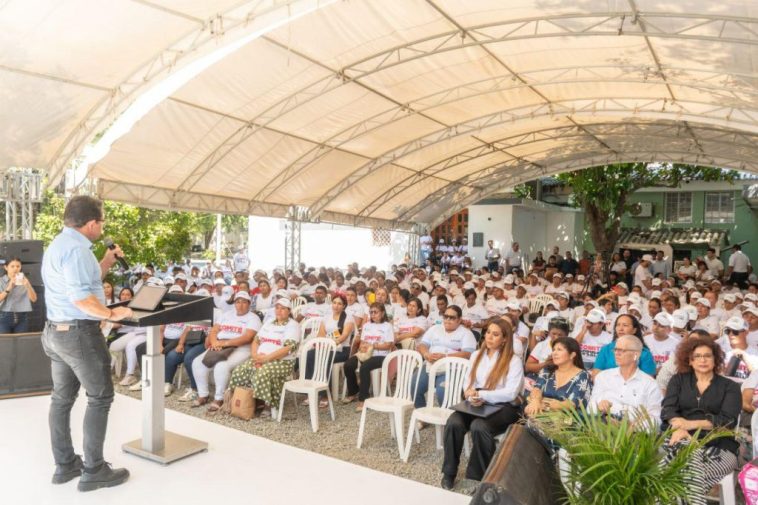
pixel 450 339
pixel 626 390
pixel 74 342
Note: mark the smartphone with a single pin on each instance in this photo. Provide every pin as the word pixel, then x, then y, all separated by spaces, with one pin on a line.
pixel 19 278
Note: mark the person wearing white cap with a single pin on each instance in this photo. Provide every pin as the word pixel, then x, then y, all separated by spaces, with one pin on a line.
pixel 564 309
pixel 556 285
pixel 228 346
pixel 731 308
pixel 580 313
pixel 496 304
pixel 740 359
pixel 660 341
pixel 520 330
pixel 642 276
pixel 592 337
pixel 626 390
pixel 706 321
pixel 533 286
pixel 509 287
pixel 272 358
pixel 750 314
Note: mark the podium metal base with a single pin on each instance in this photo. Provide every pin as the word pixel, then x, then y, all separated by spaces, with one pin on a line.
pixel 176 447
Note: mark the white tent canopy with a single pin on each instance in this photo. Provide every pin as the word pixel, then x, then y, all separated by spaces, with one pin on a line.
pixel 376 113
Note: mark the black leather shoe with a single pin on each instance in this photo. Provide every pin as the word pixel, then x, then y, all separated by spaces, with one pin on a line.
pixel 447 482
pixel 64 473
pixel 105 476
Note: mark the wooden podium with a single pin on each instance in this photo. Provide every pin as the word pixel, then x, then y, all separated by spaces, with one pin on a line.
pixel 156 443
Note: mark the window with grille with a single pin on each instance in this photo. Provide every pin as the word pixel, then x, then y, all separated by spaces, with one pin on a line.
pixel 380 237
pixel 719 207
pixel 678 208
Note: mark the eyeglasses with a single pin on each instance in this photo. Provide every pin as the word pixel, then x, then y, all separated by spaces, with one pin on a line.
pixel 732 332
pixel 702 356
pixel 374 312
pixel 449 317
pixel 618 350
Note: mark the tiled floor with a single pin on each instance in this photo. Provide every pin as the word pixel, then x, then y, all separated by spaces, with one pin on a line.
pixel 238 467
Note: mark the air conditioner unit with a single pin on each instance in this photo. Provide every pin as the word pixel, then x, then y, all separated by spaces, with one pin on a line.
pixel 644 209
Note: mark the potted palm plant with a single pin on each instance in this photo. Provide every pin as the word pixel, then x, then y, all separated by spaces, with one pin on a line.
pixel 618 462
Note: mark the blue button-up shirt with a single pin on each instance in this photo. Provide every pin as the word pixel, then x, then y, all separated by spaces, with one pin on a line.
pixel 70 272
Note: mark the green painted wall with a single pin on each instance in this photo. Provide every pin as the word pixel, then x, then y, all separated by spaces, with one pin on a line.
pixel 744 228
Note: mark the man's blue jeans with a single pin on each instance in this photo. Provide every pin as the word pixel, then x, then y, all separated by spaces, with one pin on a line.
pixel 423 384
pixel 79 357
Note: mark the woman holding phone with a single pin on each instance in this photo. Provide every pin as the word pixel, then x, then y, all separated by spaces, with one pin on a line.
pixel 497 376
pixel 16 298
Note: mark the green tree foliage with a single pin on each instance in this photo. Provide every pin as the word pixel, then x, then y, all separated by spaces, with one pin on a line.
pixel 603 192
pixel 145 235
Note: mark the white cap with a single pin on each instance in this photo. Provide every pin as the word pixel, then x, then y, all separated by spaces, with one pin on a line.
pixel 468 285
pixel 558 275
pixel 202 292
pixel 206 281
pixel 513 305
pixel 736 323
pixel 730 298
pixel 242 294
pixel 596 316
pixel 442 284
pixel 657 282
pixel 284 302
pixel 752 297
pixel 703 301
pixel 656 294
pixel 593 303
pixel 663 319
pixel 680 319
pixel 175 289
pixel 154 281
pixel 636 308
pixel 552 303
pixel 489 284
pixel 415 281
pixel 508 279
pixel 563 294
pixel 219 280
pixel 752 309
pixel 580 277
pixel 695 296
pixel 647 257
pixel 227 291
pixel 453 272
pixel 622 285
pixel 499 285
pixel 168 279
pixel 180 276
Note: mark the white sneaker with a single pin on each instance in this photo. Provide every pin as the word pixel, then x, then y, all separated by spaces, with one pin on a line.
pixel 188 396
pixel 128 380
pixel 168 389
pixel 137 386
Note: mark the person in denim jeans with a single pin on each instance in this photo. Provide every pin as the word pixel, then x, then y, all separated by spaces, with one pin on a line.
pixel 74 342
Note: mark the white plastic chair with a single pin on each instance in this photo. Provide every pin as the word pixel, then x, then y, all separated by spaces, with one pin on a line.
pixel 456 372
pixel 297 304
pixel 544 299
pixel 309 328
pixel 323 359
pixel 401 401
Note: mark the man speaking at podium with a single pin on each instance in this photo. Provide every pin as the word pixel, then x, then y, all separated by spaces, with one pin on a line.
pixel 76 347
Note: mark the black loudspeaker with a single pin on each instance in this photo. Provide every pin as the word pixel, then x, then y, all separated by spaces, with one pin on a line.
pixel 38 316
pixel 33 272
pixel 28 251
pixel 24 366
pixel 520 473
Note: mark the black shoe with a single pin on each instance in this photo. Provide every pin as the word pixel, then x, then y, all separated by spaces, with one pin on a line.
pixel 105 476
pixel 447 482
pixel 64 473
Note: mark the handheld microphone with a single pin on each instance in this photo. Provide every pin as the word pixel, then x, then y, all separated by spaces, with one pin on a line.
pixel 110 245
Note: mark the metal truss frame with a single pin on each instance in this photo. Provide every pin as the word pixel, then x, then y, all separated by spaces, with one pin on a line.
pixel 642 107
pixel 21 188
pixel 169 199
pixel 233 24
pixel 654 131
pixel 500 183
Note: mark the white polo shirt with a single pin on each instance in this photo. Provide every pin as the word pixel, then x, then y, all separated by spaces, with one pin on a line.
pixel 437 340
pixel 739 262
